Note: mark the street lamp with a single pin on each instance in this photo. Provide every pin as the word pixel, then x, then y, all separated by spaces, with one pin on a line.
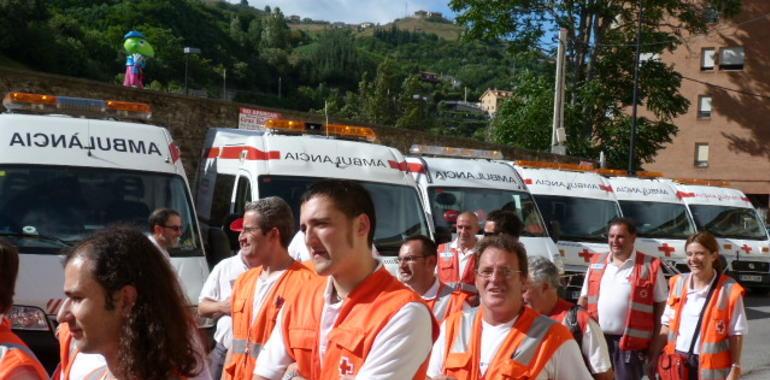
pixel 187 52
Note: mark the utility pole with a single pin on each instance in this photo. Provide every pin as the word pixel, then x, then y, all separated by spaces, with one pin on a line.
pixel 224 84
pixel 558 136
pixel 187 51
pixel 635 98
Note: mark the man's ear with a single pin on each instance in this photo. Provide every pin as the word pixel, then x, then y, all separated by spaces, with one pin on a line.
pixel 363 225
pixel 126 299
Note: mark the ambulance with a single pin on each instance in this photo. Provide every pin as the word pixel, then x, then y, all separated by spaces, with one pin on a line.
pixel 729 215
pixel 287 157
pixel 577 206
pixel 68 168
pixel 662 219
pixel 454 180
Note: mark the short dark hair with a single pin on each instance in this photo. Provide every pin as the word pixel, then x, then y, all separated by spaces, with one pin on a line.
pixel 157 337
pixel 506 221
pixel 429 247
pixel 9 270
pixel 160 216
pixel 621 221
pixel 274 212
pixel 349 197
pixel 505 243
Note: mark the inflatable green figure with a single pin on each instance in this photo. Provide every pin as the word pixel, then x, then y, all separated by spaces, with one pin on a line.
pixel 137 48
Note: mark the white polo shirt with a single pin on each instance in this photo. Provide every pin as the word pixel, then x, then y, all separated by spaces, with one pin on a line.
pixel 464 256
pixel 615 294
pixel 219 287
pixel 696 298
pixel 398 351
pixel 565 364
pixel 594 348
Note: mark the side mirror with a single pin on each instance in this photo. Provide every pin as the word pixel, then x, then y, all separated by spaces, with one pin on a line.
pixel 443 235
pixel 554 229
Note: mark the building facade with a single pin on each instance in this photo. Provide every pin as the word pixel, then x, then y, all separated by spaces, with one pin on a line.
pixel 491 99
pixel 725 135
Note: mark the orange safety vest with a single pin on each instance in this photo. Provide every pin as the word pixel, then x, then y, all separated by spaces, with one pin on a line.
pixel 529 346
pixel 715 360
pixel 449 269
pixel 18 354
pixel 446 302
pixel 250 333
pixel 640 323
pixel 562 308
pixel 365 312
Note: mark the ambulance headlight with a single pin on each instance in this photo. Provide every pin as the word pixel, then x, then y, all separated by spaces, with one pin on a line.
pixel 29 318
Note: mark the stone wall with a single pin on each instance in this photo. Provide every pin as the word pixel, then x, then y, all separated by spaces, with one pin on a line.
pixel 189 117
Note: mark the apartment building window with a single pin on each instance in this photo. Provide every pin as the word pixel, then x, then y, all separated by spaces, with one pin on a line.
pixel 731 58
pixel 704 107
pixel 708 59
pixel 701 155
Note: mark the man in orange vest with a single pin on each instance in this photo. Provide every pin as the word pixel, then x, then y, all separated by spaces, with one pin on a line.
pixel 457 259
pixel 16 359
pixel 417 270
pixel 361 322
pixel 503 338
pixel 542 296
pixel 625 292
pixel 260 293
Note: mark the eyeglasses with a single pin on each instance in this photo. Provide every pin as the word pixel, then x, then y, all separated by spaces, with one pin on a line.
pixel 175 228
pixel 408 259
pixel 486 233
pixel 248 230
pixel 505 273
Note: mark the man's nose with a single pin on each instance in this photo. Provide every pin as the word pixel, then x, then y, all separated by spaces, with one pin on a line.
pixel 64 313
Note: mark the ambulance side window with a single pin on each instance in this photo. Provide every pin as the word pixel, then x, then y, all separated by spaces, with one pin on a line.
pixel 242 195
pixel 220 202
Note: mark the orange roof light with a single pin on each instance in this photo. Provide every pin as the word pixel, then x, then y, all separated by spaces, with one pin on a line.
pixel 554 165
pixel 611 172
pixel 351 131
pixel 21 101
pixel 286 125
pixel 702 182
pixel 455 152
pixel 128 109
pixel 649 174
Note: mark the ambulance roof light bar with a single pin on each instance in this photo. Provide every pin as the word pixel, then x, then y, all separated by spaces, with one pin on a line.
pixel 554 165
pixel 44 103
pixel 455 152
pixel 337 130
pixel 701 182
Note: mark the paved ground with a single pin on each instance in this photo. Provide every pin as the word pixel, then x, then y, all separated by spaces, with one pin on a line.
pixel 756 346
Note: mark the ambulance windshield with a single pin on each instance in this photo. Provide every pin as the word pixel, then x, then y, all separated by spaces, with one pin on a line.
pixel 447 203
pixel 658 219
pixel 398 210
pixel 729 222
pixel 579 219
pixel 44 208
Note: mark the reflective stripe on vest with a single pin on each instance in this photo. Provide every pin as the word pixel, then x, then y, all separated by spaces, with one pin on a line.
pixel 20 347
pixel 714 374
pixel 535 336
pixel 242 346
pixel 443 299
pixel 463 286
pixel 463 340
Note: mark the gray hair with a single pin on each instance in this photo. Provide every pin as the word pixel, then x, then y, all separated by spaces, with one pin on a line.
pixel 274 212
pixel 543 271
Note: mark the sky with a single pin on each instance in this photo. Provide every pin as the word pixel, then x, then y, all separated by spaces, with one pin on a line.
pixel 354 11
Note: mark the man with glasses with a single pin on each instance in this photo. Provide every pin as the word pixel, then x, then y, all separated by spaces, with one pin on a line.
pixel 503 337
pixel 503 221
pixel 417 270
pixel 165 229
pixel 259 294
pixel 457 259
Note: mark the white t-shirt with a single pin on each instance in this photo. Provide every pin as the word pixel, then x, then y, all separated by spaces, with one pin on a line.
pixel 615 294
pixel 264 284
pixel 219 287
pixel 594 348
pixel 298 249
pixel 691 312
pixel 566 363
pixel 464 256
pixel 398 351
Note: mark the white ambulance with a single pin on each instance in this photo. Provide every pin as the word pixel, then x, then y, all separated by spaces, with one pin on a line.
pixel 451 181
pixel 577 206
pixel 729 215
pixel 68 169
pixel 286 158
pixel 662 219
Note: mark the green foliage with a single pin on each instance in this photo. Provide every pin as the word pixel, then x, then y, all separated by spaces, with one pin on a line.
pixel 524 120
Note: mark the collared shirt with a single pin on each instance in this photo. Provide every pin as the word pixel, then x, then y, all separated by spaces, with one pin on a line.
pixel 615 294
pixel 432 292
pixel 464 255
pixel 398 350
pixel 696 299
pixel 219 287
pixel 264 284
pixel 594 348
pixel 565 364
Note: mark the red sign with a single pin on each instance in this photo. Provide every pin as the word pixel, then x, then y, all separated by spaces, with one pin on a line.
pixel 255 119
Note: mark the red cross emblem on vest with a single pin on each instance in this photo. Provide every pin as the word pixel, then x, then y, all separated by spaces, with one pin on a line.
pixel 643 293
pixel 585 254
pixel 346 367
pixel 720 327
pixel 666 249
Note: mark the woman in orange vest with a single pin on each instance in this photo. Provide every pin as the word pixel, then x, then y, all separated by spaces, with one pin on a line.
pixel 16 359
pixel 704 320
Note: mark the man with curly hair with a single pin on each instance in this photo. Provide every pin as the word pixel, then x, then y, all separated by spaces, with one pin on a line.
pixel 124 303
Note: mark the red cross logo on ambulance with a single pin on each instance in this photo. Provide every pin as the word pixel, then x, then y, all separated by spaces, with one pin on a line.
pixel 346 367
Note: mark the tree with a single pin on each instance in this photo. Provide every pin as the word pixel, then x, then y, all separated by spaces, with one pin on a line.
pixel 275 32
pixel 416 104
pixel 600 59
pixel 524 119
